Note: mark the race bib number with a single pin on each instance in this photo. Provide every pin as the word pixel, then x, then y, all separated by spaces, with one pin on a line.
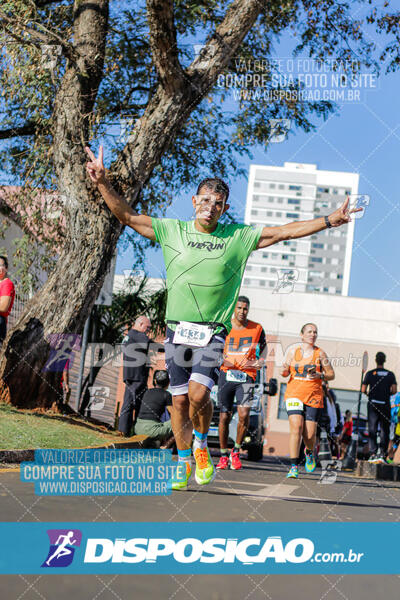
pixel 293 404
pixel 235 375
pixel 192 334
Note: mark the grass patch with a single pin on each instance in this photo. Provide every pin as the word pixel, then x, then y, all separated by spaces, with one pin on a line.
pixel 21 430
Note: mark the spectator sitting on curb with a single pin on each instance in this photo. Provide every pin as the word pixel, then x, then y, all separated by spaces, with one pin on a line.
pixel 152 408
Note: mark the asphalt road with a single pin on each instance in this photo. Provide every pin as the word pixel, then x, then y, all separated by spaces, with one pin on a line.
pixel 259 492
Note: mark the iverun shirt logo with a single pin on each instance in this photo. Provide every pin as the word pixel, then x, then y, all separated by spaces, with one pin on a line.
pixel 207 245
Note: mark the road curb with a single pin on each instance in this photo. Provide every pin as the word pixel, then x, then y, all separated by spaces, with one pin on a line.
pixel 18 456
pixel 384 472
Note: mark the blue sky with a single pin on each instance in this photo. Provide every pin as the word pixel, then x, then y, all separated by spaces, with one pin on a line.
pixel 365 138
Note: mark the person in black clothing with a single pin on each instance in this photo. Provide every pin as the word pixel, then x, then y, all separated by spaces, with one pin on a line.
pixel 154 403
pixel 381 383
pixel 135 372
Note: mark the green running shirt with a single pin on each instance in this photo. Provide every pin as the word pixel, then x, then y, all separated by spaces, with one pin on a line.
pixel 204 271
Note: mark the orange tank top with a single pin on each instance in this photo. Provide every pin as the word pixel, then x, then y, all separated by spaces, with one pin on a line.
pixel 308 391
pixel 240 347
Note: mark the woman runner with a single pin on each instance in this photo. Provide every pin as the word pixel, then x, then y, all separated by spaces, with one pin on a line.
pixel 308 366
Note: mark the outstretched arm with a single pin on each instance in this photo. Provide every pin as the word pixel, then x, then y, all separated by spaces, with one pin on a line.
pixel 299 229
pixel 118 206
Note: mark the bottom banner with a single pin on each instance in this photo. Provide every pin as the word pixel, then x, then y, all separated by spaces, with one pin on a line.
pixel 157 548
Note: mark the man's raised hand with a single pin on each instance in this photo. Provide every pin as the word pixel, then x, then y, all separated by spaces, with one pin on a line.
pixel 342 214
pixel 95 167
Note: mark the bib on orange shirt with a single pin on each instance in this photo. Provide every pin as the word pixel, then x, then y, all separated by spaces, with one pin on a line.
pixel 240 347
pixel 308 391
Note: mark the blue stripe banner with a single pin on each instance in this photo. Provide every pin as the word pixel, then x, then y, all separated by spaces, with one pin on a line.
pixel 156 548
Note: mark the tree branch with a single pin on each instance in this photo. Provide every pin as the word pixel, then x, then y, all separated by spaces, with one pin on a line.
pixel 163 44
pixel 43 3
pixel 28 129
pixel 228 36
pixel 48 37
pixel 166 114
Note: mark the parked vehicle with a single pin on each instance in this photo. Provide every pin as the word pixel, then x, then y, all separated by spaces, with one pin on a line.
pixel 253 440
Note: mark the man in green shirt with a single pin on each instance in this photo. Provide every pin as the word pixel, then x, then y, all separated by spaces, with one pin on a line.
pixel 205 262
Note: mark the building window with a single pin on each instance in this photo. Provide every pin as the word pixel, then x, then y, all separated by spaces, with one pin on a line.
pixel 263 269
pixel 278 214
pixel 317 245
pixel 292 215
pixel 293 201
pixel 257 184
pixel 340 276
pixel 262 282
pixel 316 259
pixel 281 186
pixel 249 267
pixel 284 256
pixel 270 199
pixel 280 200
pixel 323 190
pixel 295 187
pixel 271 284
pixel 272 186
pixel 265 254
pixel 254 212
pixel 256 198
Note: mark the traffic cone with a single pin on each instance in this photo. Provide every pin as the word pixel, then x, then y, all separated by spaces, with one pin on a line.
pixel 350 458
pixel 324 452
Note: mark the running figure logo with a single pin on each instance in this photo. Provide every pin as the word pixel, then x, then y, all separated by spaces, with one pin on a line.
pixel 62 547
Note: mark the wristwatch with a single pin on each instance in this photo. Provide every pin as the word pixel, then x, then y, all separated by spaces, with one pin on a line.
pixel 327 223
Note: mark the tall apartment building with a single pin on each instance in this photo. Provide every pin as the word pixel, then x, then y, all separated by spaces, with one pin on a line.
pixel 297 192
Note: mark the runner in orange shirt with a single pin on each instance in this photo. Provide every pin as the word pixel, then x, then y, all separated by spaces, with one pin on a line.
pixel 243 347
pixel 307 365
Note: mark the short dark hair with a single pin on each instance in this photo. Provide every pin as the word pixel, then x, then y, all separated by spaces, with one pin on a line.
pixel 380 358
pixel 244 299
pixel 5 260
pixel 215 184
pixel 305 325
pixel 161 378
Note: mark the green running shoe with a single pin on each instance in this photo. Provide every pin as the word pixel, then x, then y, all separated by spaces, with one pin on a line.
pixel 310 463
pixel 205 471
pixel 293 472
pixel 182 485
